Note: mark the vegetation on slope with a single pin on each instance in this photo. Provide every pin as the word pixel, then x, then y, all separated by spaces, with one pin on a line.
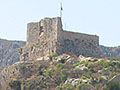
pixel 63 72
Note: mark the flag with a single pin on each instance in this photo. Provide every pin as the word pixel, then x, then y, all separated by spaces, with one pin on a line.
pixel 61 7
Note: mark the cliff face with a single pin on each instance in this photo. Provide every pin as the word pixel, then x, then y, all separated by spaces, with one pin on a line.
pixel 9 52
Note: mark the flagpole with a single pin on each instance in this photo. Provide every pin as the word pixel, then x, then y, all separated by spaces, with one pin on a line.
pixel 61 10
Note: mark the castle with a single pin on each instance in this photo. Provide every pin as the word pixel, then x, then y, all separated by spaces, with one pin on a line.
pixel 47 37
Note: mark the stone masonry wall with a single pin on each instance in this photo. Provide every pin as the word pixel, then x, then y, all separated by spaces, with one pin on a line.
pixel 78 43
pixel 47 37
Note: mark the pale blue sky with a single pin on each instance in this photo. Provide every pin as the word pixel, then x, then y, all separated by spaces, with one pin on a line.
pixel 100 17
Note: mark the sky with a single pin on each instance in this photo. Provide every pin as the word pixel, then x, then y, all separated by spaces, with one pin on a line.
pixel 97 17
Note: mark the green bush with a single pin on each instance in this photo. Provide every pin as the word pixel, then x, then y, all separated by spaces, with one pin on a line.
pixel 64 77
pixel 113 85
pixel 40 72
pixel 118 65
pixel 15 85
pixel 58 81
pixel 89 74
pixel 83 86
pixel 23 85
pixel 68 87
pixel 77 64
pixel 84 77
pixel 54 55
pixel 106 64
pixel 98 86
pixel 59 87
pixel 95 59
pixel 89 64
pixel 28 86
pixel 60 66
pixel 112 75
pixel 113 59
pixel 50 72
pixel 102 79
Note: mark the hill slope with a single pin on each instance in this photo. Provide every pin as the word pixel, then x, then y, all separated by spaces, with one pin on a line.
pixel 64 72
pixel 9 52
pixel 111 52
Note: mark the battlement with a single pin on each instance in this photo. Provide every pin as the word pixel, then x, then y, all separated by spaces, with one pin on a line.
pixel 47 37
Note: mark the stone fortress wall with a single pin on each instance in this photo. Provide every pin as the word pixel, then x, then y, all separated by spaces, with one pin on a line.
pixel 78 43
pixel 47 37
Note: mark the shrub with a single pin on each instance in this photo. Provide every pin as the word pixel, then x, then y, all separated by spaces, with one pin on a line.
pixel 89 74
pixel 23 85
pixel 59 87
pixel 49 72
pixel 89 64
pixel 84 77
pixel 58 81
pixel 98 86
pixel 113 59
pixel 112 75
pixel 85 69
pixel 83 86
pixel 95 59
pixel 15 85
pixel 40 72
pixel 78 63
pixel 64 77
pixel 105 64
pixel 113 85
pixel 29 86
pixel 54 55
pixel 68 87
pixel 102 79
pixel 118 65
pixel 60 66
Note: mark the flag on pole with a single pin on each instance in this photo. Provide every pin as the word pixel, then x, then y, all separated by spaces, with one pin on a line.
pixel 61 7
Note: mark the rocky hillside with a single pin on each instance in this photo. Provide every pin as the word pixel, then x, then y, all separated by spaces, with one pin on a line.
pixel 64 72
pixel 111 52
pixel 9 52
